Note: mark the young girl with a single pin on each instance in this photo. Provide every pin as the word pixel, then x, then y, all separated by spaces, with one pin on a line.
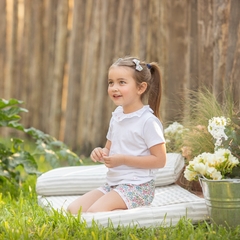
pixel 135 146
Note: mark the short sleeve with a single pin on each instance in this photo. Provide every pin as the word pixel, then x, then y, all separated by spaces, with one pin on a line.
pixel 109 133
pixel 153 132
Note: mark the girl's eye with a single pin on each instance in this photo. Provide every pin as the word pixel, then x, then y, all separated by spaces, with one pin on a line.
pixel 122 82
pixel 110 83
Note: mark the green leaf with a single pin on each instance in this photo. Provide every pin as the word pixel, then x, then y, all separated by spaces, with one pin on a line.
pixel 4 152
pixel 52 158
pixel 37 134
pixel 16 126
pixel 17 144
pixel 57 144
pixel 6 103
pixel 41 147
pixel 13 111
pixel 5 117
pixel 9 116
pixel 26 160
pixel 4 173
pixel 70 157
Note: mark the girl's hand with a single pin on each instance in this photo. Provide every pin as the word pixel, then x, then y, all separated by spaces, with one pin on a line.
pixel 98 153
pixel 113 161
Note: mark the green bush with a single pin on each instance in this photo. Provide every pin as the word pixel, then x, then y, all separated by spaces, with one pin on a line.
pixel 14 155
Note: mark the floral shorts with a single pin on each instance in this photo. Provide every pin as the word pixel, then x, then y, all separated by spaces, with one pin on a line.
pixel 133 195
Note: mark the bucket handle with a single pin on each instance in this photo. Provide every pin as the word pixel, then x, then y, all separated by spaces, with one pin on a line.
pixel 200 177
pixel 200 180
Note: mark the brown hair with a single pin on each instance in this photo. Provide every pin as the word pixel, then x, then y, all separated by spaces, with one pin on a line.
pixel 151 74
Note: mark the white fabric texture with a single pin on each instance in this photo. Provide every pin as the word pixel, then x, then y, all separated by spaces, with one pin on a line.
pixel 81 179
pixel 169 205
pixel 133 134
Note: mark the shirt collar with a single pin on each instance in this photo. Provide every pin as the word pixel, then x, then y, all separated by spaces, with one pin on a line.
pixel 119 115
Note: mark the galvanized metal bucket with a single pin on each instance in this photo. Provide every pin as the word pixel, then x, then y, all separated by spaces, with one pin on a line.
pixel 223 200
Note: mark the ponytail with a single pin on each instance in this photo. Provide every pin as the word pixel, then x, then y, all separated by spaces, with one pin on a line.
pixel 155 89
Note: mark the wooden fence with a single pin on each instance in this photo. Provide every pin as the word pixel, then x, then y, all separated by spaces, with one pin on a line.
pixel 55 54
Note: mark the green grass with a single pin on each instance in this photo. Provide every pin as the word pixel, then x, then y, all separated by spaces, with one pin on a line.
pixel 22 218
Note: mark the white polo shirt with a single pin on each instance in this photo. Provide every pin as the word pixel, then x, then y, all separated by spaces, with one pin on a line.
pixel 133 134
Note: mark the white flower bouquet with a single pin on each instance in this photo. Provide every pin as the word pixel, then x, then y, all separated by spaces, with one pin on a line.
pixel 213 166
pixel 217 165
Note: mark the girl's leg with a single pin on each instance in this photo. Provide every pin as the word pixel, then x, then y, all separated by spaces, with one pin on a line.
pixel 108 202
pixel 85 201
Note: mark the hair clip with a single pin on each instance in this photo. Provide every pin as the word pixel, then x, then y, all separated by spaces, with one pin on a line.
pixel 138 66
pixel 149 66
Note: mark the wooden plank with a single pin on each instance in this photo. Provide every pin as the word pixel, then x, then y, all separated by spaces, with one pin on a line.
pixel 193 77
pixel 232 75
pixel 163 49
pixel 75 66
pixel 55 115
pixel 205 43
pixel 2 45
pixel 221 10
pixel 11 33
pixel 177 58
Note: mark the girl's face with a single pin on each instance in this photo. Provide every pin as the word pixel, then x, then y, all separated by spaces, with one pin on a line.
pixel 123 89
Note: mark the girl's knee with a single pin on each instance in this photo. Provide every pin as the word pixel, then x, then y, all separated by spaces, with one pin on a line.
pixel 72 209
pixel 69 209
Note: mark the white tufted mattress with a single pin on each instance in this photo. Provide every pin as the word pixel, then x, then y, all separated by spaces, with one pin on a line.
pixel 170 204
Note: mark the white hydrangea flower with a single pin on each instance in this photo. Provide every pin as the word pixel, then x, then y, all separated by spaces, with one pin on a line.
pixel 167 140
pixel 190 175
pixel 215 175
pixel 216 127
pixel 201 168
pixel 233 160
pixel 211 159
pixel 175 127
pixel 225 155
pixel 203 158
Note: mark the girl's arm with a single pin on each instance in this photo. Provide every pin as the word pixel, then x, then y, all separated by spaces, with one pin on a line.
pixel 156 159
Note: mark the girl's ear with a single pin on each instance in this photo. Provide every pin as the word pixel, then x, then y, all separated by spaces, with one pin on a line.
pixel 142 88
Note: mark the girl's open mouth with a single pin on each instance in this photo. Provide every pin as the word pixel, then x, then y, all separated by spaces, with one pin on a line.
pixel 117 96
